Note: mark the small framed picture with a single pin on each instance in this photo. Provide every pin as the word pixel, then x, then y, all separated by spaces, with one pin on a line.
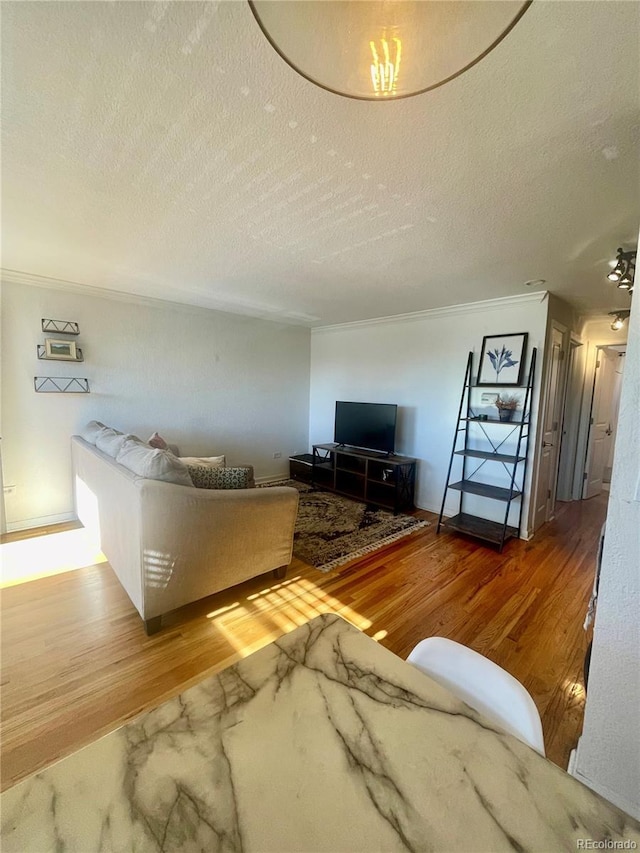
pixel 63 350
pixel 488 399
pixel 502 359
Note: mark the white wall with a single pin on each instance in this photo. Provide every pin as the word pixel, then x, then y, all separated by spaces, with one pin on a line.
pixel 211 382
pixel 608 756
pixel 417 361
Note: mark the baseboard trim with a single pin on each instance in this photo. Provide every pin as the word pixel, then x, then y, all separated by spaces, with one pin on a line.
pixel 42 521
pixel 629 806
pixel 273 478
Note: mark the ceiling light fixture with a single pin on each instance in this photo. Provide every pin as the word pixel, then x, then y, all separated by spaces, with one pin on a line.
pixel 620 317
pixel 624 270
pixel 375 50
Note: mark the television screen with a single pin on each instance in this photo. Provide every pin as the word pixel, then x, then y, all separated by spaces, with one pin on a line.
pixel 368 425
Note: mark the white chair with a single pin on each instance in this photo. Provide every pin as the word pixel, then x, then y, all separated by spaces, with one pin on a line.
pixel 483 685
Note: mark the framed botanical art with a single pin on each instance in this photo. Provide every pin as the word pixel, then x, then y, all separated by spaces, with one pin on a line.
pixel 502 359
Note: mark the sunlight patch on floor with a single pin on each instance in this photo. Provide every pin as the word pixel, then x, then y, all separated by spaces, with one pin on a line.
pixel 42 556
pixel 574 690
pixel 282 607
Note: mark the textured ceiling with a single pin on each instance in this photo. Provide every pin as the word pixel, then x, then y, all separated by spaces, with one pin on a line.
pixel 165 149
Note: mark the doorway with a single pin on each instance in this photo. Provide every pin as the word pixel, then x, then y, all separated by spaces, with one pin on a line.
pixel 603 419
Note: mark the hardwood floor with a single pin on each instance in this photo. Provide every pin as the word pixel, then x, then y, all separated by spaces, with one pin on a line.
pixel 76 662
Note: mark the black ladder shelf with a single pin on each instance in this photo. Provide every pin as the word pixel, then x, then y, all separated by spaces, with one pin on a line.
pixel 515 464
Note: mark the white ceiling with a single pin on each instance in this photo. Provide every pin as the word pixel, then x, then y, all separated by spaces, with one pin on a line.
pixel 165 149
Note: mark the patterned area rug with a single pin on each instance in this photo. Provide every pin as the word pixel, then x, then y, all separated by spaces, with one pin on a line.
pixel 332 530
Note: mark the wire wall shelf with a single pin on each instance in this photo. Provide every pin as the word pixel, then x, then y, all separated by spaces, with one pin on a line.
pixel 60 385
pixel 61 327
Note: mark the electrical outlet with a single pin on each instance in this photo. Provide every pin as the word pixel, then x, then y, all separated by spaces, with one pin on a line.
pixel 9 490
pixel 277 455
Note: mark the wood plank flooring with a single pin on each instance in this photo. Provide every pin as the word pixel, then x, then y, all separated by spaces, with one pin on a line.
pixel 76 662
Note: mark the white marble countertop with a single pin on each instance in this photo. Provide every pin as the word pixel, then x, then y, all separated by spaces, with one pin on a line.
pixel 322 741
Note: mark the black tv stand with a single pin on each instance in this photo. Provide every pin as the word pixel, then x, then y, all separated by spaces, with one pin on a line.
pixel 375 454
pixel 382 479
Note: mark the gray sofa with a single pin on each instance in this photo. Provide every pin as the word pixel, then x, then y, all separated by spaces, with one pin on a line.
pixel 170 544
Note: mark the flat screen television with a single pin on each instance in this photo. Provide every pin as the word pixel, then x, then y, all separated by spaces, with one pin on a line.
pixel 368 425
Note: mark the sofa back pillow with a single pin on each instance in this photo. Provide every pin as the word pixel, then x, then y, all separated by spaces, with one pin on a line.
pixel 153 464
pixel 92 430
pixel 207 477
pixel 110 441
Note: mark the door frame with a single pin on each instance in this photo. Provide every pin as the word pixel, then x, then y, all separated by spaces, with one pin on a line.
pixel 3 514
pixel 544 400
pixel 571 419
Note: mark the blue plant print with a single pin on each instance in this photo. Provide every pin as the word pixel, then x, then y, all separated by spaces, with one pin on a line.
pixel 501 359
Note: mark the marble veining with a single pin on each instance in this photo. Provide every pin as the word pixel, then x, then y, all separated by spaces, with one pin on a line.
pixel 322 741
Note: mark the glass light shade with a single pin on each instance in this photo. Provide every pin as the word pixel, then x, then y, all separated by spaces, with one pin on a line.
pixel 619 318
pixel 613 276
pixel 384 49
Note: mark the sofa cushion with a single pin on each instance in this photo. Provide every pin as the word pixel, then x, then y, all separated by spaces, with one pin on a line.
pixel 207 477
pixel 110 441
pixel 153 464
pixel 92 430
pixel 208 461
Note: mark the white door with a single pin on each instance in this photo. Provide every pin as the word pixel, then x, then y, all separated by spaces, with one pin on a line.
pixel 601 422
pixel 548 461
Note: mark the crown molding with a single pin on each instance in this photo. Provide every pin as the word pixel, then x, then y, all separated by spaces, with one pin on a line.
pixel 34 280
pixel 437 313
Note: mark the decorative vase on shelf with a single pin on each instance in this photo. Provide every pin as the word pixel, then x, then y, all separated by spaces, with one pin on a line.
pixel 507 406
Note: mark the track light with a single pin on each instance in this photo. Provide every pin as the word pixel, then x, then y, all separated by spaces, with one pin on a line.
pixel 619 318
pixel 624 269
